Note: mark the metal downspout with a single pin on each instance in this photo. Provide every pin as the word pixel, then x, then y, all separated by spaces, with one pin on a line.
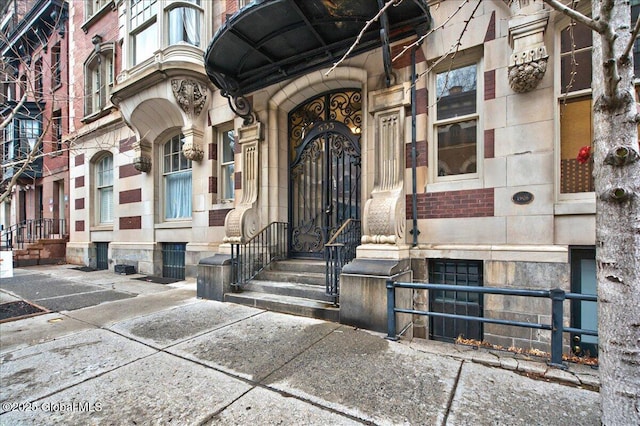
pixel 414 154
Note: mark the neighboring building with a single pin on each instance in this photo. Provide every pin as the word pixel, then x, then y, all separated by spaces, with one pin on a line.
pixel 500 197
pixel 34 96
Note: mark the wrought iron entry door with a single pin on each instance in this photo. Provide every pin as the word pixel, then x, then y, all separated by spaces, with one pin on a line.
pixel 324 186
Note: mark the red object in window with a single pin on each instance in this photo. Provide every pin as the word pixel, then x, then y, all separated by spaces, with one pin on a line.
pixel 584 154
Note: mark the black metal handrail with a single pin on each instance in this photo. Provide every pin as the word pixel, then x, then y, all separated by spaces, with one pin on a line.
pixel 252 256
pixel 340 250
pixel 556 295
pixel 31 230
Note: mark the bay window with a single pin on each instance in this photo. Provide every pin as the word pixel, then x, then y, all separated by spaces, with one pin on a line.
pixel 184 23
pixel 143 29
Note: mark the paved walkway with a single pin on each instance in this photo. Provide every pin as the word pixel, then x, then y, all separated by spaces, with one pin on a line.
pixel 162 356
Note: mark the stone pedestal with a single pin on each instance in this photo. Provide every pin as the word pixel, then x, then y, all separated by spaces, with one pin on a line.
pixel 214 277
pixel 363 293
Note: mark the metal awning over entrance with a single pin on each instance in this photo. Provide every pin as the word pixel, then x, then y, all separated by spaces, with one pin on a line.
pixel 269 41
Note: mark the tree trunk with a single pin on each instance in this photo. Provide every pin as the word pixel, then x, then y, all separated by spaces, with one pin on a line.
pixel 617 184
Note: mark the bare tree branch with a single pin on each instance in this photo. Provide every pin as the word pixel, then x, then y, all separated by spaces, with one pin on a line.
pixel 421 39
pixel 13 112
pixel 595 25
pixel 362 31
pixel 634 36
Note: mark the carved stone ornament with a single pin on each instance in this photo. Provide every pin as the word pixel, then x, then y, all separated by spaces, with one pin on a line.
pixel 528 63
pixel 525 77
pixel 192 151
pixel 142 164
pixel 190 95
pixel 383 219
pixel 242 222
pixel 142 160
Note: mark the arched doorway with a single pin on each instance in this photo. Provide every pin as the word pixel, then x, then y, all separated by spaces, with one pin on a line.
pixel 324 171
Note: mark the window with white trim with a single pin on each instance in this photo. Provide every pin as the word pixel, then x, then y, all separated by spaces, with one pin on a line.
pixel 226 147
pixel 456 123
pixel 176 176
pixel 98 76
pixel 91 7
pixel 143 29
pixel 104 189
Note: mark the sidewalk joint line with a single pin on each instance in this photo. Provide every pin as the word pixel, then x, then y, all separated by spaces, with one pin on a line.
pixel 453 394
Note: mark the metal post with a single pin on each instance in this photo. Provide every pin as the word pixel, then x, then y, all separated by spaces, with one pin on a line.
pixel 557 327
pixel 391 313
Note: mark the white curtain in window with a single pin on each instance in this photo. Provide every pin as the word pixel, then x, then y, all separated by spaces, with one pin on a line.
pixel 178 195
pixel 184 26
pixel 106 204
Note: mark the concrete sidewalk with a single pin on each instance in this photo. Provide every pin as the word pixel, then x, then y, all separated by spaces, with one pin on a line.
pixel 166 357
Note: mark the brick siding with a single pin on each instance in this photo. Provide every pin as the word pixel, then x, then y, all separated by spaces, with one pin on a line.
pixel 489 143
pixel 79 225
pixel 216 217
pixel 489 85
pixel 127 144
pixel 131 222
pixel 128 170
pixel 79 160
pixel 454 204
pixel 79 203
pixel 130 196
pixel 79 182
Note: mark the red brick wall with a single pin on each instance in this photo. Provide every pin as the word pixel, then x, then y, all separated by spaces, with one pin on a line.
pixel 491 29
pixel 79 204
pixel 216 217
pixel 489 85
pixel 127 144
pixel 131 222
pixel 454 204
pixel 489 143
pixel 107 27
pixel 131 196
pixel 79 225
pixel 128 170
pixel 79 160
pixel 79 182
pixel 421 154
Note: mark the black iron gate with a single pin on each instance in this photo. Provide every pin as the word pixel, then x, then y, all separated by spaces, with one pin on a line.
pixel 173 260
pixel 324 170
pixel 102 256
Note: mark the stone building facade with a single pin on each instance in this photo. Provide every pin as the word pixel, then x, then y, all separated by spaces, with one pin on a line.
pixel 469 176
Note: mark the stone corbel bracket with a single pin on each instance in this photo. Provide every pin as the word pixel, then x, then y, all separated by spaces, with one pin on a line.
pixel 384 219
pixel 528 62
pixel 142 160
pixel 192 148
pixel 242 222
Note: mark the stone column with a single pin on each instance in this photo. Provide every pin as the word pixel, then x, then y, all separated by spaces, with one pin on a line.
pixel 383 253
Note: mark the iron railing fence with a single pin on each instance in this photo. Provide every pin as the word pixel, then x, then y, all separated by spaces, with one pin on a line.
pixel 557 296
pixel 251 257
pixel 29 231
pixel 340 250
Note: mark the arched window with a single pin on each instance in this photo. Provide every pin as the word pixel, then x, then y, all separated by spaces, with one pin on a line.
pixel 176 174
pixel 104 189
pixel 99 75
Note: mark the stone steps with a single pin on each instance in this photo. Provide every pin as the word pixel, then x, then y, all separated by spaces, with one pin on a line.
pixel 294 287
